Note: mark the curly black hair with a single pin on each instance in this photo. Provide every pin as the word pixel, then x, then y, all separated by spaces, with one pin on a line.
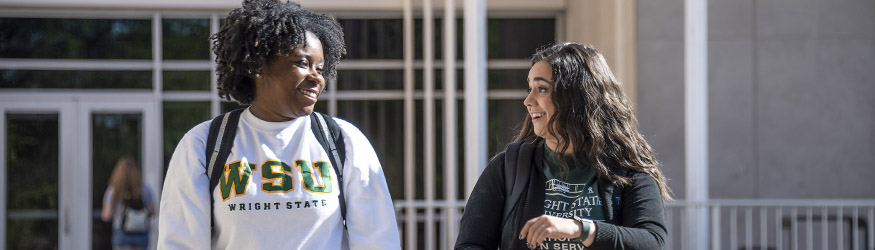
pixel 265 29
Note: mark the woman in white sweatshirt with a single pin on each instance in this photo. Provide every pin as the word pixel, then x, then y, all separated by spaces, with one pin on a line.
pixel 278 189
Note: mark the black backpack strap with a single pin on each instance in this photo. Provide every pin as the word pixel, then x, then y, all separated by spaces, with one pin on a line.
pixel 513 174
pixel 328 134
pixel 223 129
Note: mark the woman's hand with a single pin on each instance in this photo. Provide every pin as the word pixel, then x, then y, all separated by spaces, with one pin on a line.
pixel 542 227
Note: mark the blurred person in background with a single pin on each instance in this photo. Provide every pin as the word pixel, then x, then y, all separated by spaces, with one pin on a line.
pixel 128 204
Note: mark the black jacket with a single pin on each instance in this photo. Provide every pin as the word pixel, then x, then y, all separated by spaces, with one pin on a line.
pixel 634 215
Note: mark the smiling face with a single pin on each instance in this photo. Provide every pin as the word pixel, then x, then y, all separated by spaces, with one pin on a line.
pixel 538 102
pixel 290 85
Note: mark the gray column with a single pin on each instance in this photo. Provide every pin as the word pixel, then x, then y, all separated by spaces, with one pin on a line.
pixel 696 119
pixel 475 91
pixel 409 129
pixel 450 145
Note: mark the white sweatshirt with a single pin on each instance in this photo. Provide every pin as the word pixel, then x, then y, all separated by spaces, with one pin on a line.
pixel 283 194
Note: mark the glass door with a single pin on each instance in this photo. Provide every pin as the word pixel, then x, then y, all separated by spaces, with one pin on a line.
pixel 116 130
pixel 35 151
pixel 32 193
pixel 57 158
pixel 113 136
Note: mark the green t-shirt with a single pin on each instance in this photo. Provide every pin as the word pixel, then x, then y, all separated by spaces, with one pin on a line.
pixel 569 195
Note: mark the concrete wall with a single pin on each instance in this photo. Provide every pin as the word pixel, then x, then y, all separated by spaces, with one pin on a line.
pixel 791 96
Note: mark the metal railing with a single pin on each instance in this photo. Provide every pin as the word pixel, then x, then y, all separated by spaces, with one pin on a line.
pixel 735 224
pixel 779 224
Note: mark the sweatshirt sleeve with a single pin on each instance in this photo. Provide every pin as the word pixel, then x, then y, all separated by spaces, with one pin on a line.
pixel 184 221
pixel 480 227
pixel 370 215
pixel 642 224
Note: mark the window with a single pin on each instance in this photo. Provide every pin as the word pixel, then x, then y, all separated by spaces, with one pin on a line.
pixel 380 114
pixel 185 39
pixel 116 54
pixel 186 80
pixel 179 117
pixel 75 79
pixel 75 38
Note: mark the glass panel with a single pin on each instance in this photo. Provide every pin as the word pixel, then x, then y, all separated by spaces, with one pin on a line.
pixel 519 38
pixel 439 150
pixel 460 148
pixel 322 106
pixel 185 39
pixel 78 79
pixel 539 32
pixel 227 106
pixel 505 117
pixel 75 38
pixel 438 79
pixel 32 195
pixel 179 117
pixel 186 80
pixel 373 38
pixel 370 79
pixel 439 147
pixel 438 38
pixel 383 38
pixel 382 122
pixel 113 136
pixel 514 79
pixel 419 150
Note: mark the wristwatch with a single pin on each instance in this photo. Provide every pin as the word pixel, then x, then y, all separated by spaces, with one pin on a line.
pixel 585 225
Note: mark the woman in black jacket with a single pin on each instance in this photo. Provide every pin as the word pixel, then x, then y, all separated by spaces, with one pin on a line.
pixel 579 175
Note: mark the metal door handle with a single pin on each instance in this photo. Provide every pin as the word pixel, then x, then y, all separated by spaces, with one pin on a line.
pixel 66 222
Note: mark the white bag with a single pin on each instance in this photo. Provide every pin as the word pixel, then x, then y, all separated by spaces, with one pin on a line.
pixel 135 220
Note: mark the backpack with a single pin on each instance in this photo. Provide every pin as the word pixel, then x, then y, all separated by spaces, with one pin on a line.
pixel 515 173
pixel 135 217
pixel 223 129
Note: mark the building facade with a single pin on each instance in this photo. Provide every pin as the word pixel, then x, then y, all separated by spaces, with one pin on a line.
pixel 83 83
pixel 790 105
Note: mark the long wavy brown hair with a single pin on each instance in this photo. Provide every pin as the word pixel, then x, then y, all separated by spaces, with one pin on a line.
pixel 126 180
pixel 593 116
